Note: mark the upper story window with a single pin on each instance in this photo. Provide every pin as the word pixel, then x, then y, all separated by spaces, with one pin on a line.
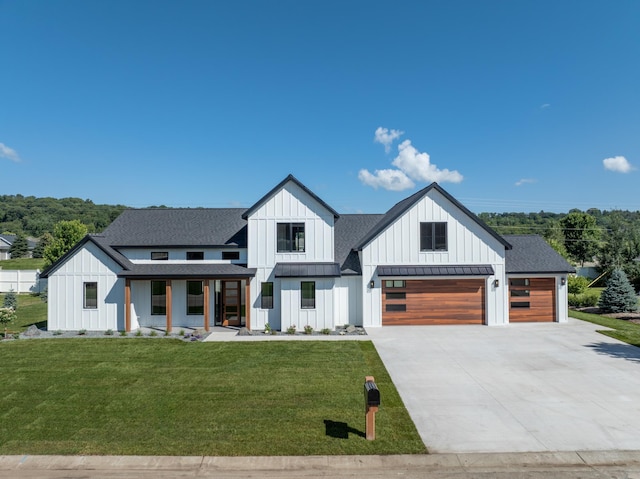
pixel 195 255
pixel 231 255
pixel 290 237
pixel 433 236
pixel 160 255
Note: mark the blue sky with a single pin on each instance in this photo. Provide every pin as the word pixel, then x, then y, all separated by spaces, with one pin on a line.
pixel 509 105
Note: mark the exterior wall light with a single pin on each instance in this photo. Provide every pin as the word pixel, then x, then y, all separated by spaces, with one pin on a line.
pixel 372 284
pixel 563 281
pixel 496 283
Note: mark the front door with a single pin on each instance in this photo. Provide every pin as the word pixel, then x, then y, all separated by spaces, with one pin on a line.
pixel 231 303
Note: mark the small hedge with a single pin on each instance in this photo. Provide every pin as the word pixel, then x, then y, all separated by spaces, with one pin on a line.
pixel 584 300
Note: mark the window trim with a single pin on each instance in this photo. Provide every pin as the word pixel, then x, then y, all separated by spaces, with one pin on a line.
pixel 85 298
pixel 433 236
pixel 311 301
pixel 200 311
pixel 164 294
pixel 289 241
pixel 165 255
pixel 263 303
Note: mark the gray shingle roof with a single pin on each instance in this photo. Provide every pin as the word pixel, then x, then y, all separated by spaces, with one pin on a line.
pixel 180 227
pixel 307 270
pixel 348 232
pixel 421 270
pixel 399 208
pixel 532 254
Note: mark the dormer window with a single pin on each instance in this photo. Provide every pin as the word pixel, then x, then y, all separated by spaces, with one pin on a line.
pixel 160 255
pixel 195 255
pixel 290 237
pixel 433 236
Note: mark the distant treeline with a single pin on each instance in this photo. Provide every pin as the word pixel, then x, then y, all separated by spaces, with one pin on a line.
pixel 33 216
pixel 546 224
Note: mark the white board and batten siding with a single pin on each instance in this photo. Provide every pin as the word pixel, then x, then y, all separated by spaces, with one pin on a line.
pixel 66 293
pixel 293 314
pixel 467 242
pixel 290 204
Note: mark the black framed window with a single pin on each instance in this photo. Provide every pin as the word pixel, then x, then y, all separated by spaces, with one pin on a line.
pixel 195 255
pixel 433 236
pixel 160 255
pixel 308 295
pixel 90 295
pixel 520 304
pixel 231 255
pixel 158 297
pixel 290 237
pixel 395 283
pixel 519 281
pixel 195 297
pixel 266 295
pixel 395 308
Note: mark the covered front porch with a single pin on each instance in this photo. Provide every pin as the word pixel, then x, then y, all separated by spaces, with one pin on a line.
pixel 215 294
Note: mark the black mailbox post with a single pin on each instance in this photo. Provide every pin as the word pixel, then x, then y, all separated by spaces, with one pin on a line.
pixel 371 402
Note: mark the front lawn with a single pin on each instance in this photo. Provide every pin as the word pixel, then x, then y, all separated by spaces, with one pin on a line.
pixel 623 330
pixel 168 397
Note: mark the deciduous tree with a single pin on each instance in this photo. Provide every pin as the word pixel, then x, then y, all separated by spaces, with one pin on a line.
pixel 65 235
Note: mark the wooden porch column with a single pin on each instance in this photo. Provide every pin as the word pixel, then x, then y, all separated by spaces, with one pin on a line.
pixel 168 304
pixel 247 304
pixel 127 305
pixel 206 305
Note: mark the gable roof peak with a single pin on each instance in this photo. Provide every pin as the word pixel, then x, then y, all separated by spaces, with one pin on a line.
pixel 278 187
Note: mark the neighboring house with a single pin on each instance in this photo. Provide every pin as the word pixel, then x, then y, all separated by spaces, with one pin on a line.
pixel 5 245
pixel 292 260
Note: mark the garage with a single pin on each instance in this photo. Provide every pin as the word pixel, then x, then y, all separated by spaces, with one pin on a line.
pixel 433 301
pixel 532 300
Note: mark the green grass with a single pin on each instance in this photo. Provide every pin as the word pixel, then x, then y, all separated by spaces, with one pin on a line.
pixel 167 397
pixel 623 330
pixel 31 310
pixel 23 263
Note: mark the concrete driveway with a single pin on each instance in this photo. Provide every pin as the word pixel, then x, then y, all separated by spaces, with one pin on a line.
pixel 522 387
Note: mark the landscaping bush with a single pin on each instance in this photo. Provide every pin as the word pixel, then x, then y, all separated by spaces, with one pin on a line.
pixel 11 300
pixel 577 284
pixel 618 296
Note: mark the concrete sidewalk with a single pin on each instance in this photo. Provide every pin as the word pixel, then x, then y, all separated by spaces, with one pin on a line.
pixel 584 464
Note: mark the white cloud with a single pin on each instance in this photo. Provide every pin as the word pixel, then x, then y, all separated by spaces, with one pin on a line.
pixel 544 106
pixel 619 164
pixel 418 166
pixel 9 153
pixel 386 137
pixel 525 180
pixel 394 180
pixel 412 166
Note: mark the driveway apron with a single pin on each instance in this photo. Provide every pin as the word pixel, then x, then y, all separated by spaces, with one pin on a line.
pixel 522 387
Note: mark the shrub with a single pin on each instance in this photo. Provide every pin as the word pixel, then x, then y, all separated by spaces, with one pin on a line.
pixel 82 332
pixel 618 296
pixel 267 328
pixel 7 315
pixel 11 300
pixel 577 284
pixel 584 300
pixel 308 329
pixel 291 329
pixel 44 295
pixel 57 332
pixel 153 333
pixel 123 333
pixel 109 332
pixel 138 333
pixel 326 331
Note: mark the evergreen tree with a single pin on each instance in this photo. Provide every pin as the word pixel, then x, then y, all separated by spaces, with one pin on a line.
pixel 19 248
pixel 10 300
pixel 46 240
pixel 618 296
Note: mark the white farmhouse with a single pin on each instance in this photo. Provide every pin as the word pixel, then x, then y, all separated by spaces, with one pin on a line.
pixel 292 260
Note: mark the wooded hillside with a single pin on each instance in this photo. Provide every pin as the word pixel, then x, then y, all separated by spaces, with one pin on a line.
pixel 33 216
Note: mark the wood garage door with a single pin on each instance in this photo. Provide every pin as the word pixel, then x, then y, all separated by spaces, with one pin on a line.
pixel 445 301
pixel 532 300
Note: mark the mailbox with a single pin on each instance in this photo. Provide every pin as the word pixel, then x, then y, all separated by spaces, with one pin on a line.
pixel 371 394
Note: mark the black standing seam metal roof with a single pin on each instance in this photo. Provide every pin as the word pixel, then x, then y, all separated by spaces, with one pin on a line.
pixel 401 207
pixel 276 188
pixel 307 270
pixel 436 270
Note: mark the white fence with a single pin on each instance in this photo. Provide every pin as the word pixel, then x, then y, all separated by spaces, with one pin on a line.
pixel 21 281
